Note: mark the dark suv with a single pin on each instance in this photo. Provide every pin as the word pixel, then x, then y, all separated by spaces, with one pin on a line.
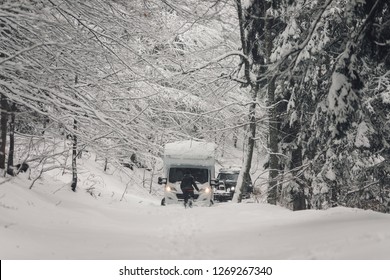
pixel 228 180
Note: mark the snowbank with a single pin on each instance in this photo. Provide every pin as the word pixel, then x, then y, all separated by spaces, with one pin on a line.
pixel 52 222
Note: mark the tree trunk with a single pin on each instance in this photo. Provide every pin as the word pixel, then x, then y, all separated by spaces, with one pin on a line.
pixel 11 136
pixel 272 144
pixel 74 157
pixel 272 117
pixel 105 164
pixel 299 199
pixel 3 126
pixel 244 173
pixel 248 153
pixel 74 151
pixel 152 176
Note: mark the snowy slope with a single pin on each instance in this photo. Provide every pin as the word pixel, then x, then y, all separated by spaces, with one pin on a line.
pixel 51 222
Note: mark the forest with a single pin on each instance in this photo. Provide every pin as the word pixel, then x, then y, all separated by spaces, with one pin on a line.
pixel 305 82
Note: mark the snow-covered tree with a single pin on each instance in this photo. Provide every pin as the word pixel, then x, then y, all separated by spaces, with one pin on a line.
pixel 327 125
pixel 134 63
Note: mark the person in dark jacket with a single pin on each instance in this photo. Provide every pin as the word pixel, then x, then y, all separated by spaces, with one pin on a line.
pixel 187 186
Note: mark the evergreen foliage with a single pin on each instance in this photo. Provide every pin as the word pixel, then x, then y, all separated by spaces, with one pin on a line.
pixel 332 66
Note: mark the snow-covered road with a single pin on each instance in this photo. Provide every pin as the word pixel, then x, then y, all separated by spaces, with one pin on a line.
pixel 42 224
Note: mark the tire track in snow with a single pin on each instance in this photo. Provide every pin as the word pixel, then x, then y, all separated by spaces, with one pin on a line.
pixel 182 235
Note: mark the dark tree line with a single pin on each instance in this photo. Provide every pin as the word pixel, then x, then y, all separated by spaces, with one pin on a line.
pixel 325 68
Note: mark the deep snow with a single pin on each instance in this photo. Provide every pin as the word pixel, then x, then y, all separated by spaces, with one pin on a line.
pixel 51 222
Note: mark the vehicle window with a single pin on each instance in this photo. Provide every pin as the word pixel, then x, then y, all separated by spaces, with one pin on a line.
pixel 228 176
pixel 200 175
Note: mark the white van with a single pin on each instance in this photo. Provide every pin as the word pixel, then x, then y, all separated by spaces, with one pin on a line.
pixel 194 156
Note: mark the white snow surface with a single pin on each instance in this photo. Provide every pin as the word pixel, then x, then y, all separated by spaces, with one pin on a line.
pixel 51 222
pixel 190 149
pixel 361 139
pixel 246 3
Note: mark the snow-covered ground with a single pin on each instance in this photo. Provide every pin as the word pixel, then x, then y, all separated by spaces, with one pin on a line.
pixel 51 222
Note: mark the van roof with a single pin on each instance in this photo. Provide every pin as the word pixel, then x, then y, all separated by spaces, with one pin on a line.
pixel 230 170
pixel 190 149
